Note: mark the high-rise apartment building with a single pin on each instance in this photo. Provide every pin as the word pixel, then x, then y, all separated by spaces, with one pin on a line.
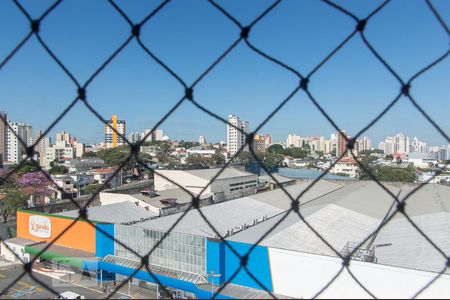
pixel 401 143
pixel 294 140
pixel 61 150
pixel 3 136
pixel 63 137
pixel 236 134
pixel 395 144
pixel 418 146
pixel 15 148
pixel 112 138
pixel 259 143
pixel 134 137
pixel 157 135
pixel 363 144
pixel 201 140
pixel 341 143
pixel 268 140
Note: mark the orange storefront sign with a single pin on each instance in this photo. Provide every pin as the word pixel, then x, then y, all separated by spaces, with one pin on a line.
pixel 46 228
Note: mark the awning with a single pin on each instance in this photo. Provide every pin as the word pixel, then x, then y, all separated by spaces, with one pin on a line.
pixel 163 271
pixel 75 258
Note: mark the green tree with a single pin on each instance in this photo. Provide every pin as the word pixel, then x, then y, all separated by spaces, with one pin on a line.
pixel 296 152
pixel 57 169
pixel 277 148
pixel 90 154
pixel 27 167
pixel 13 201
pixel 244 157
pixel 218 159
pixel 391 174
pixel 197 162
pixel 92 188
pixel 271 160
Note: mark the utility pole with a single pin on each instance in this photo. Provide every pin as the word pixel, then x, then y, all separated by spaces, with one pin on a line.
pixel 212 275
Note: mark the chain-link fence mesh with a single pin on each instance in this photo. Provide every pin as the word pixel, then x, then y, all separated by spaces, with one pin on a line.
pixel 81 95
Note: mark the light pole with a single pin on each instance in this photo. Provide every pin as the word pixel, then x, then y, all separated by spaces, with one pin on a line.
pixel 212 275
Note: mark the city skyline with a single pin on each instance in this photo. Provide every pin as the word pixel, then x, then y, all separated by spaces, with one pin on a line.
pixel 375 144
pixel 353 87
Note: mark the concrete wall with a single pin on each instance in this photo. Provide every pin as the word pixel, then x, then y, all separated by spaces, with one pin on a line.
pixel 192 183
pixel 302 275
pixel 19 250
pixel 223 185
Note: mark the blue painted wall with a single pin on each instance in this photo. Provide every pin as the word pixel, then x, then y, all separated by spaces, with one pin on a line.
pixel 104 245
pixel 258 265
pixel 215 259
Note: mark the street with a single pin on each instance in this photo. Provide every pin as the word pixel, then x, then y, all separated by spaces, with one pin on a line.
pixel 27 288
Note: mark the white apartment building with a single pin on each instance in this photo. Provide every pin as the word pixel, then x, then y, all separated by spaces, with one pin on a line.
pixel 321 144
pixel 294 140
pixel 395 144
pixel 201 140
pixel 15 150
pixel 115 132
pixel 158 135
pixel 363 144
pixel 59 151
pixel 134 137
pixel 236 137
pixel 418 146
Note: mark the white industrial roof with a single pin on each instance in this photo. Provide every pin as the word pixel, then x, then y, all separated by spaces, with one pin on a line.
pixel 224 216
pixel 113 213
pixel 353 212
pixel 209 174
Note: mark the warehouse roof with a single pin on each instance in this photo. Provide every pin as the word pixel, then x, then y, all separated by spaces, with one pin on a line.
pixel 225 216
pixel 113 213
pixel 352 213
pixel 157 198
pixel 209 174
pixel 278 197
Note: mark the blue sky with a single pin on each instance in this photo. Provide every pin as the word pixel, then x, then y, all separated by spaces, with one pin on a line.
pixel 188 36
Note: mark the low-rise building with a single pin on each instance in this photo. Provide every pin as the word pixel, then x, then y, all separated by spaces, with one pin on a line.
pixel 83 164
pixel 346 166
pixel 230 183
pixel 65 183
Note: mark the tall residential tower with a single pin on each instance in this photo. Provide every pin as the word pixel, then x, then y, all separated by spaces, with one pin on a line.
pixel 112 138
pixel 236 133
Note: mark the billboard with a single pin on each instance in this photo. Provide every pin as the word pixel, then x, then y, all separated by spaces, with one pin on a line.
pixel 42 227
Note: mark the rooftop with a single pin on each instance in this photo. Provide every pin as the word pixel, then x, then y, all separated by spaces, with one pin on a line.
pixel 209 174
pixel 225 216
pixel 113 213
pixel 21 241
pixel 352 213
pixel 158 200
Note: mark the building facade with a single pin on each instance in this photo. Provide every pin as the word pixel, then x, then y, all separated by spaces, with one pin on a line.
pixel 3 136
pixel 112 138
pixel 15 148
pixel 236 134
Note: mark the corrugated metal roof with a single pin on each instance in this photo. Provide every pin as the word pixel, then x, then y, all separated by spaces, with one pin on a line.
pixel 403 246
pixel 224 216
pixel 208 174
pixel 113 213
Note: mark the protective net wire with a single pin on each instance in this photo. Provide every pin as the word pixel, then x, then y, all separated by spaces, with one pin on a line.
pixel 304 78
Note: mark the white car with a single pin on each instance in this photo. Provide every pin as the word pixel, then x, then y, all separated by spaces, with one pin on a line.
pixel 69 295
